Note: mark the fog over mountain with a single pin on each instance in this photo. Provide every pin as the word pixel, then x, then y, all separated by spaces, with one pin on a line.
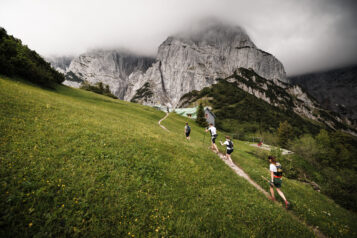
pixel 305 35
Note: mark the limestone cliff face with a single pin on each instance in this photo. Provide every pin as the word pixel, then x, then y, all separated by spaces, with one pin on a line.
pixel 111 67
pixel 187 62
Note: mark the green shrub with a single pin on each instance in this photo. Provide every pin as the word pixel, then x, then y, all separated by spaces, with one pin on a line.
pixel 98 88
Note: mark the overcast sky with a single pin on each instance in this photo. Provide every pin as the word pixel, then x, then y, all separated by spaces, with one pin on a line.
pixel 306 35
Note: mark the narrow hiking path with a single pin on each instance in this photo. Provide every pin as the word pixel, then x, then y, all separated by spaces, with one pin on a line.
pixel 167 114
pixel 240 172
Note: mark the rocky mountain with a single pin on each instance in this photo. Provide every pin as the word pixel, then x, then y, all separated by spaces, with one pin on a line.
pixel 187 62
pixel 335 90
pixel 184 62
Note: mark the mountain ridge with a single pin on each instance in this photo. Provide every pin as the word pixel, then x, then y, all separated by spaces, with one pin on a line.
pixel 334 89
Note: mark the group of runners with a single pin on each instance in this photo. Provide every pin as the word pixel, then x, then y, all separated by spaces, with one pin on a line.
pixel 274 167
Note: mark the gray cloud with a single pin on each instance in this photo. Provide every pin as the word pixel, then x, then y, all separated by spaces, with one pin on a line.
pixel 305 35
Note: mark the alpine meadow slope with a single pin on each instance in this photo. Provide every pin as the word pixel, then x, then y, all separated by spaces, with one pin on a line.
pixel 75 163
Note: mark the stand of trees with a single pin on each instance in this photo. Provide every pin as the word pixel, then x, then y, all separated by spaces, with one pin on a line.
pixel 18 60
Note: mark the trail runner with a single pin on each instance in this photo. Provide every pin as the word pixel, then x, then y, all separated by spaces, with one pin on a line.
pixel 214 135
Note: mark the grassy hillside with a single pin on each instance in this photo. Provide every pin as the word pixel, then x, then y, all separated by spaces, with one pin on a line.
pixel 74 163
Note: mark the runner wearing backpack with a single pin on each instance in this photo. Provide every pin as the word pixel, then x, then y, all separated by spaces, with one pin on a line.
pixel 214 135
pixel 276 174
pixel 187 131
pixel 229 145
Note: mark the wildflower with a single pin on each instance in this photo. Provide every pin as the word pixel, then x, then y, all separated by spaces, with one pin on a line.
pixel 30 224
pixel 62 206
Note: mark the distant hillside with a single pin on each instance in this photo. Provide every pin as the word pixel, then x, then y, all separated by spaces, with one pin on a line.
pixel 335 90
pixel 248 102
pixel 17 59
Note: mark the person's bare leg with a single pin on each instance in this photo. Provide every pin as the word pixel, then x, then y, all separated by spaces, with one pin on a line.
pixel 229 157
pixel 215 147
pixel 281 194
pixel 272 193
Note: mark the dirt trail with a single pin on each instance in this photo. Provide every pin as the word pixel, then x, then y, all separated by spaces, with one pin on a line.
pixel 162 120
pixel 240 172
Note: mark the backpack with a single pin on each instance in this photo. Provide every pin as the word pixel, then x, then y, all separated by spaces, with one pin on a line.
pixel 279 170
pixel 188 129
pixel 230 144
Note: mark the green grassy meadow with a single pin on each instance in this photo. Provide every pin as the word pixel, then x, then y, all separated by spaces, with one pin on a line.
pixel 78 164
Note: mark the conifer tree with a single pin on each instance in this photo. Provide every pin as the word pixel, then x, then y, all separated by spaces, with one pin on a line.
pixel 201 120
pixel 285 134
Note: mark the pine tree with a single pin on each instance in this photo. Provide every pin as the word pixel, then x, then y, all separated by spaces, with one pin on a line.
pixel 201 120
pixel 285 134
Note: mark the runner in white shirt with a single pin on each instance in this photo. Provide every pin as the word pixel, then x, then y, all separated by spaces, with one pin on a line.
pixel 229 145
pixel 214 135
pixel 275 179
